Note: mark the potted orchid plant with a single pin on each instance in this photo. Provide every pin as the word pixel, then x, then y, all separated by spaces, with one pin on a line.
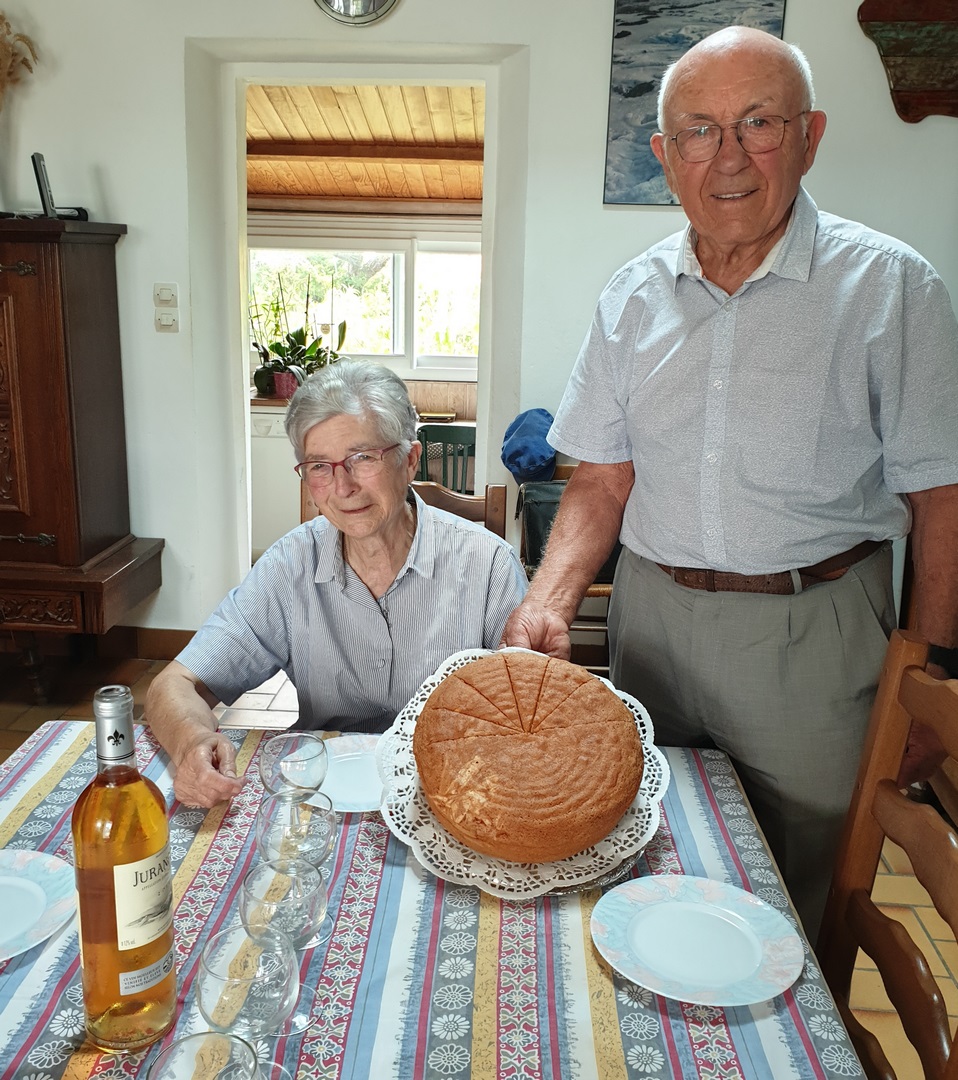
pixel 288 357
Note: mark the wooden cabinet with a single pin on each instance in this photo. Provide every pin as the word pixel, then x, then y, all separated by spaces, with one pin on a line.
pixel 68 562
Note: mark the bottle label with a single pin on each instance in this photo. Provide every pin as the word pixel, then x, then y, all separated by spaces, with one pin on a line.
pixel 144 900
pixel 135 982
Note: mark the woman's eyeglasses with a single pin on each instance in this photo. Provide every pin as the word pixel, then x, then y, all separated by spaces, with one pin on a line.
pixel 362 464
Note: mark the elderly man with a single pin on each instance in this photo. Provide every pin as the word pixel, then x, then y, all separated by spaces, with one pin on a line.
pixel 763 402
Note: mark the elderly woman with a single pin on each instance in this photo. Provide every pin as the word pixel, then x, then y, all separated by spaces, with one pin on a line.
pixel 357 606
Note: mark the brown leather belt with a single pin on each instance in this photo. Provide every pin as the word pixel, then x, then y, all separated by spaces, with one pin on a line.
pixel 781 584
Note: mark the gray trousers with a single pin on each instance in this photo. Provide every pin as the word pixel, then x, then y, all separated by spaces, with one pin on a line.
pixel 782 684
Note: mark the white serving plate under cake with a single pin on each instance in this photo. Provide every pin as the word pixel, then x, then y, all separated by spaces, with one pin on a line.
pixel 409 817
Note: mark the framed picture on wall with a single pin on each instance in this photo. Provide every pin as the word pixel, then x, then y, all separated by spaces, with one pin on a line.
pixel 647 36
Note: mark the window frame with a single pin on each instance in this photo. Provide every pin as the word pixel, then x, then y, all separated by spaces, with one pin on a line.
pixel 396 234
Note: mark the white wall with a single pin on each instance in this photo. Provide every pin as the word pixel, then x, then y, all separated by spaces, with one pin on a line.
pixel 140 119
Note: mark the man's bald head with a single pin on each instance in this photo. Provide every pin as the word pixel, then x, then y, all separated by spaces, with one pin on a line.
pixel 746 41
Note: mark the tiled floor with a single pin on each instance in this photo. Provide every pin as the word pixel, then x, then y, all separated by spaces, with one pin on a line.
pixel 274 704
pixel 72 684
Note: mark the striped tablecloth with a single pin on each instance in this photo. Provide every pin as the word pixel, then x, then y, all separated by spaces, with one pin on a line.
pixel 422 978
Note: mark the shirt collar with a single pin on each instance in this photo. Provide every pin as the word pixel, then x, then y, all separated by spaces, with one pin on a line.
pixel 790 257
pixel 794 258
pixel 422 552
pixel 331 566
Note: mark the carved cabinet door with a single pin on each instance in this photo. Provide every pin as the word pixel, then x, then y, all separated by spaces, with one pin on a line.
pixel 34 460
pixel 63 483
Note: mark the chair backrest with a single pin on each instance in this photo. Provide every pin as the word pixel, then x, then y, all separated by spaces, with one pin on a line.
pixel 536 509
pixel 906 694
pixel 489 509
pixel 457 444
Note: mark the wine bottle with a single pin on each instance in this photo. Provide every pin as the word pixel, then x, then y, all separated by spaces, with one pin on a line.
pixel 125 889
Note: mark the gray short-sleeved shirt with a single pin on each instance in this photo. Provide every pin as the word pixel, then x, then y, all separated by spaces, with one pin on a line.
pixel 355 661
pixel 778 426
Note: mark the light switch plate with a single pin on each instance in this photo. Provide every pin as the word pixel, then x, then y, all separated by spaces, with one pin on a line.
pixel 166 294
pixel 166 320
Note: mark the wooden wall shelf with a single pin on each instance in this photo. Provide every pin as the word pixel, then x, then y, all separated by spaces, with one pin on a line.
pixel 917 41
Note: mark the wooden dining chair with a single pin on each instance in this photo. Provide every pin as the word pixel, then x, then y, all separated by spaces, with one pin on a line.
pixel 455 444
pixel 593 617
pixel 906 695
pixel 489 509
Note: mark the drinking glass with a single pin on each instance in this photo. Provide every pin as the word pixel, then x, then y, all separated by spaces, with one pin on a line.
pixel 296 827
pixel 248 984
pixel 295 761
pixel 210 1054
pixel 288 895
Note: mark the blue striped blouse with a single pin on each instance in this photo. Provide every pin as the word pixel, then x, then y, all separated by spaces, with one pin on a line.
pixel 356 661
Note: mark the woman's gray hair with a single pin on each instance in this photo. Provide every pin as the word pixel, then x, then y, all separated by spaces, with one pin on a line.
pixel 358 388
pixel 799 59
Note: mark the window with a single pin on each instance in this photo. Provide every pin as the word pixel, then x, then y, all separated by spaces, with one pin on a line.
pixel 447 305
pixel 318 289
pixel 407 289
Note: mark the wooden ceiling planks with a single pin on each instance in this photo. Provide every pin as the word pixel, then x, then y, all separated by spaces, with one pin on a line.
pixel 380 143
pixel 394 108
pixel 311 113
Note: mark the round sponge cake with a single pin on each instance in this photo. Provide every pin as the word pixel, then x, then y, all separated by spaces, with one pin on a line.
pixel 527 758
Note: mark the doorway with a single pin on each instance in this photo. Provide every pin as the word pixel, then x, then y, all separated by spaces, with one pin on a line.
pixel 217 74
pixel 364 226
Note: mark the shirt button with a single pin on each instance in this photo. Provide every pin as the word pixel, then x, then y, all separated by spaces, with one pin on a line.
pixel 711 458
pixel 709 532
pixel 718 384
pixel 381 663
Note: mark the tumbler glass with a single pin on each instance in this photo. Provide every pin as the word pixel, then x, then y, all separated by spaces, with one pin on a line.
pixel 296 827
pixel 288 895
pixel 210 1054
pixel 294 761
pixel 248 984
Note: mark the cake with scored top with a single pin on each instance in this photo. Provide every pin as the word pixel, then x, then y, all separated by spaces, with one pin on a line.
pixel 527 758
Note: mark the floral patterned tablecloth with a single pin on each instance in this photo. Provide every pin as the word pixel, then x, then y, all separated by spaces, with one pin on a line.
pixel 422 978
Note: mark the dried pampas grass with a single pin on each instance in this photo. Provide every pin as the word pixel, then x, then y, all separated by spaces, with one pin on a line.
pixel 17 52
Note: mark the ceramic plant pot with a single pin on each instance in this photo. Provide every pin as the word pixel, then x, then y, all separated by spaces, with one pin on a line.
pixel 285 383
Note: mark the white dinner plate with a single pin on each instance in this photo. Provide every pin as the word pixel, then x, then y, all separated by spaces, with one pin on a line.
pixel 697 940
pixel 352 782
pixel 37 896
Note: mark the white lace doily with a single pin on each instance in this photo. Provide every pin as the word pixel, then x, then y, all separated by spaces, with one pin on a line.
pixel 410 818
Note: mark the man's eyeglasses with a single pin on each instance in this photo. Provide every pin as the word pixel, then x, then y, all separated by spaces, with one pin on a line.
pixel 362 464
pixel 756 134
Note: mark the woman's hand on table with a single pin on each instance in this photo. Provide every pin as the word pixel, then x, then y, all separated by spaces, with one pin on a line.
pixel 206 771
pixel 178 709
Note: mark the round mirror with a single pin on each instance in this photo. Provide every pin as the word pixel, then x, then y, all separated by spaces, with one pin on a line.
pixel 356 12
